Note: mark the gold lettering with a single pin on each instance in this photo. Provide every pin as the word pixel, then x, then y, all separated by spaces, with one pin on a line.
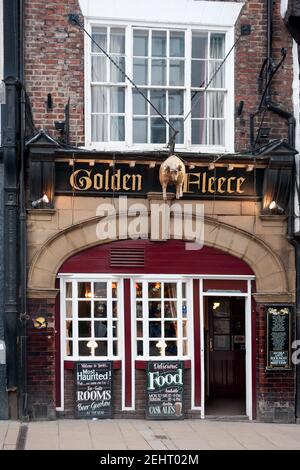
pixel 114 178
pixel 79 181
pixel 229 189
pixel 107 180
pixel 126 178
pixel 211 182
pixel 196 181
pixel 204 176
pixel 139 182
pixel 221 181
pixel 239 183
pixel 98 181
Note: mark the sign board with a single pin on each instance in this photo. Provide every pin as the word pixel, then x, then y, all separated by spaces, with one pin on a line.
pixel 278 337
pixel 93 389
pixel 165 390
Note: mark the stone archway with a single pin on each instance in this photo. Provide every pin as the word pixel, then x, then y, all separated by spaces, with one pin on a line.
pixel 271 278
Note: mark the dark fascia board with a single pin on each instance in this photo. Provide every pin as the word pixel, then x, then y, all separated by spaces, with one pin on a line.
pixel 42 139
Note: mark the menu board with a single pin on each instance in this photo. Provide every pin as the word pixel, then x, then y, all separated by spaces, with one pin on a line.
pixel 93 389
pixel 278 337
pixel 165 390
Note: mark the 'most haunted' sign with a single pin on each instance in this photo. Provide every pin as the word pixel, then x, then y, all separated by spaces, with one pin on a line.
pixel 278 337
pixel 165 390
pixel 93 383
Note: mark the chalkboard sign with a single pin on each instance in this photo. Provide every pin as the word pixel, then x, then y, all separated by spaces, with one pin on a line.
pixel 93 389
pixel 165 390
pixel 278 337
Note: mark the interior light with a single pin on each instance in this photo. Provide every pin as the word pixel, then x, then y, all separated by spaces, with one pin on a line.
pixel 216 305
pixel 44 199
pixel 92 344
pixel 161 345
pixel 272 205
pixel 88 294
pixel 157 286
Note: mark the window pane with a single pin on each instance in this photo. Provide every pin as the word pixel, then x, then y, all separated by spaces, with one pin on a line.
pixel 199 45
pixel 158 72
pixel 175 103
pixel 115 309
pixel 178 124
pixel 139 329
pixel 101 349
pixel 115 348
pixel 170 329
pixel 154 350
pixel 69 310
pixel 117 128
pixel 171 348
pixel 199 73
pixel 158 98
pixel 99 99
pixel 216 104
pixel 100 309
pixel 99 71
pixel 154 289
pixel 154 329
pixel 217 46
pixel 69 290
pixel 114 287
pixel 83 349
pixel 154 309
pixel 84 290
pixel 184 290
pixel 115 329
pixel 100 329
pixel 99 36
pixel 140 43
pixel 176 44
pixel 184 328
pixel 198 131
pixel 158 131
pixel 139 103
pixel 198 104
pixel 170 309
pixel 216 132
pixel 140 131
pixel 69 329
pixel 99 128
pixel 185 347
pixel 139 289
pixel 69 348
pixel 140 71
pixel 84 329
pixel 219 80
pixel 159 43
pixel 170 290
pixel 139 310
pixel 176 72
pixel 139 347
pixel 100 290
pixel 184 309
pixel 116 76
pixel 117 40
pixel 84 309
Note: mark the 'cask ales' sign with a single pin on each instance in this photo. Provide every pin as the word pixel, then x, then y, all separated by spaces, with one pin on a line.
pixel 278 337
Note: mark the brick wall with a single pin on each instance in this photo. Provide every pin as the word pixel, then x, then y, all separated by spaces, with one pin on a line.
pixel 41 361
pixel 275 389
pixel 55 64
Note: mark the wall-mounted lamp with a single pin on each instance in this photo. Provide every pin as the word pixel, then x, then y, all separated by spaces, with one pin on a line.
pixel 211 166
pixel 92 162
pixel 152 165
pixel 191 166
pixel 132 164
pixel 230 167
pixel 43 199
pixel 250 168
pixel 71 162
pixel 275 208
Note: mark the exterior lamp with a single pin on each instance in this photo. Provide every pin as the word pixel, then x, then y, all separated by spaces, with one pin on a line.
pixel 275 208
pixel 39 201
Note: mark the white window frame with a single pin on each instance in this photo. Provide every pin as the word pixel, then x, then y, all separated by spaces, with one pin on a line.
pixel 187 146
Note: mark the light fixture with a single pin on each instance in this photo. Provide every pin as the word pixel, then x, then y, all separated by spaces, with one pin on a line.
pixel 152 165
pixel 157 286
pixel 216 305
pixel 272 205
pixel 111 163
pixel 71 162
pixel 92 344
pixel 191 166
pixel 230 167
pixel 161 345
pixel 92 162
pixel 211 166
pixel 250 168
pixel 44 199
pixel 132 164
pixel 87 294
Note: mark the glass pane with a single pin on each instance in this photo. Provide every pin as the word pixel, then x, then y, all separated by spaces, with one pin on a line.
pixel 139 348
pixel 139 329
pixel 154 350
pixel 140 71
pixel 154 309
pixel 117 40
pixel 175 102
pixel 154 289
pixel 199 45
pixel 139 310
pixel 83 349
pixel 99 128
pixel 222 342
pixel 84 309
pixel 176 72
pixel 184 308
pixel 199 73
pixel 159 43
pixel 140 131
pixel 84 329
pixel 140 43
pixel 158 131
pixel 154 329
pixel 115 309
pixel 158 98
pixel 139 289
pixel 217 46
pixel 222 326
pixel 184 328
pixel 216 132
pixel 69 290
pixel 139 103
pixel 170 309
pixel 115 348
pixel 99 70
pixel 158 72
pixel 116 76
pixel 216 104
pixel 117 100
pixel 115 329
pixel 114 287
pixel 171 348
pixel 170 329
pixel 176 44
pixel 170 290
pixel 69 310
pixel 101 349
pixel 199 132
pixel 178 124
pixel 198 105
pixel 99 99
pixel 100 310
pixel 184 290
pixel 117 128
pixel 219 80
pixel 100 329
pixel 69 348
pixel 99 36
pixel 100 290
pixel 185 347
pixel 221 308
pixel 84 290
pixel 69 329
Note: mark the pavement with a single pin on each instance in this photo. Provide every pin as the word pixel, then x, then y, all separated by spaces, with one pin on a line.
pixel 128 434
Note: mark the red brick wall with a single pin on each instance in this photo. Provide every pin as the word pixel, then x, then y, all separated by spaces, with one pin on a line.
pixel 55 64
pixel 41 361
pixel 275 389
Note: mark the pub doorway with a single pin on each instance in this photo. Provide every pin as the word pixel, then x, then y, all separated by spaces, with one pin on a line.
pixel 225 356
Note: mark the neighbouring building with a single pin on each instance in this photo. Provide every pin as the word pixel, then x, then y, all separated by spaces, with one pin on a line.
pixel 113 281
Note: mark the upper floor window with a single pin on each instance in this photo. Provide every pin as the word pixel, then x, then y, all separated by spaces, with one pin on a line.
pixel 172 68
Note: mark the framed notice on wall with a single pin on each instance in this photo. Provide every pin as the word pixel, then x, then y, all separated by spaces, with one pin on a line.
pixel 93 389
pixel 165 390
pixel 278 337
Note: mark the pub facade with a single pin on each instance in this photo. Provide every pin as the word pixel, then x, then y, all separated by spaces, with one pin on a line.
pixel 140 305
